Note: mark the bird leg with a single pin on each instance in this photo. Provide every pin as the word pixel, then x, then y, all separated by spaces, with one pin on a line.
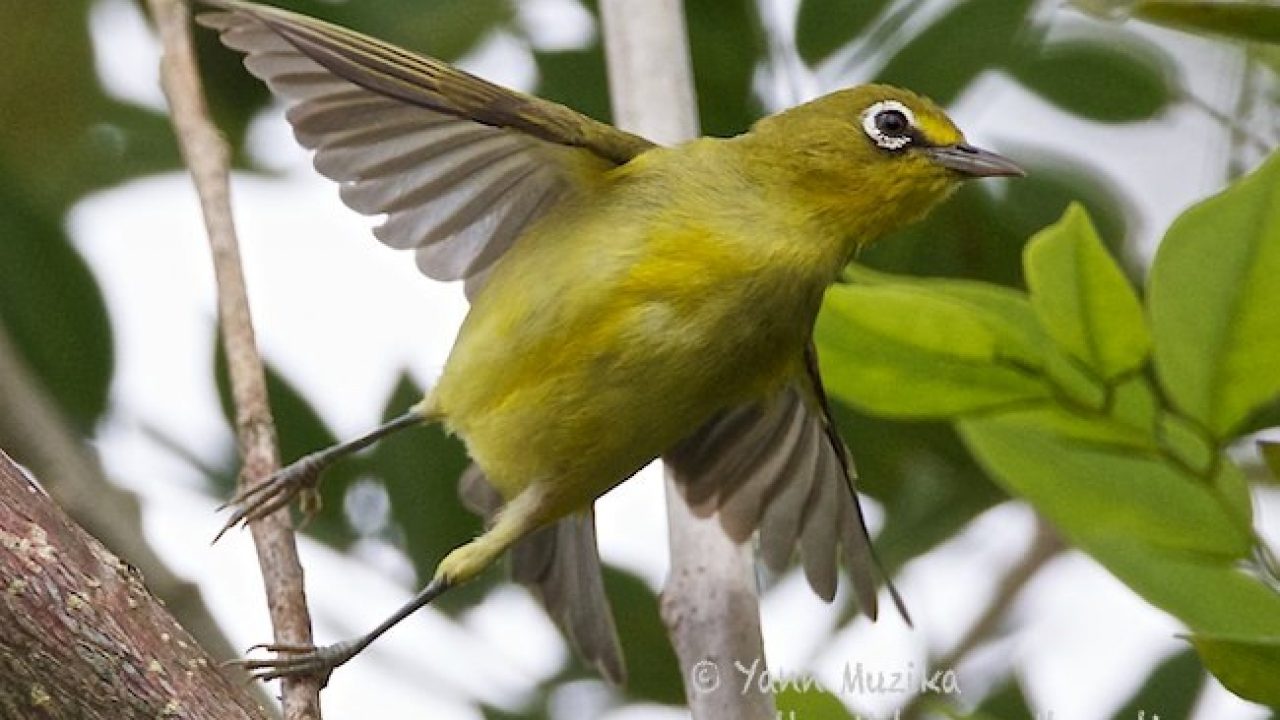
pixel 522 515
pixel 302 476
pixel 307 660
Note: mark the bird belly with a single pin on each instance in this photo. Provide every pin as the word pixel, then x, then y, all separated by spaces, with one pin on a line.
pixel 617 368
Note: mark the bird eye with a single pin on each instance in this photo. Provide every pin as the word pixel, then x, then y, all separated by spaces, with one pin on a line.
pixel 889 124
pixel 892 122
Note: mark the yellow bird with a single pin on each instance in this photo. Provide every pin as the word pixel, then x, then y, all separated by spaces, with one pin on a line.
pixel 629 302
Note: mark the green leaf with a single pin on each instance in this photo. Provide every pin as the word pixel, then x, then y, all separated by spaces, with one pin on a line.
pixel 799 701
pixel 1165 534
pixel 1075 384
pixel 1008 702
pixel 1265 418
pixel 973 36
pixel 725 45
pixel 1248 667
pixel 1238 605
pixel 824 26
pixel 52 308
pixel 1104 81
pixel 1082 298
pixel 1271 455
pixel 1093 490
pixel 420 468
pixel 537 710
pixel 575 78
pixel 1169 692
pixel 653 673
pixel 63 136
pixel 904 352
pixel 1249 21
pixel 1022 337
pixel 1213 294
pixel 1184 441
pixel 1129 424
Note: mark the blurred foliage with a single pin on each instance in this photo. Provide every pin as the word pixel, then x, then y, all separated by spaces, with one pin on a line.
pixel 65 137
pixel 1099 80
pixel 819 35
pixel 801 701
pixel 1006 703
pixel 949 54
pixel 51 306
pixel 419 471
pixel 928 482
pixel 1247 667
pixel 652 668
pixel 1239 20
pixel 299 430
pixel 1170 691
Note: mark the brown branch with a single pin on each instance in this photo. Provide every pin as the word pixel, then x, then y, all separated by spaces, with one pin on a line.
pixel 33 429
pixel 206 156
pixel 81 637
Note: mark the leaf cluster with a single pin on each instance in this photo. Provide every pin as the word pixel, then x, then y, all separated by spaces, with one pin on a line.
pixel 1110 415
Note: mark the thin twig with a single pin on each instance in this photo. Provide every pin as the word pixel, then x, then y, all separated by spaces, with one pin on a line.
pixel 206 156
pixel 1044 547
pixel 1239 132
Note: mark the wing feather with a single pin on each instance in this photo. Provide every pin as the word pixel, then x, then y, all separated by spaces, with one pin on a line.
pixel 460 167
pixel 779 468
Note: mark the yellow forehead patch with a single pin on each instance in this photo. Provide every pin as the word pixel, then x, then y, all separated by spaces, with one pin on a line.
pixel 937 128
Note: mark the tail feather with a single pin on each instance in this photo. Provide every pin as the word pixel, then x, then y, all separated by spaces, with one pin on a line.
pixel 560 564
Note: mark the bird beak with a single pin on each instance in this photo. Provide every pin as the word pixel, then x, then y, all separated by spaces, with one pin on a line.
pixel 974 162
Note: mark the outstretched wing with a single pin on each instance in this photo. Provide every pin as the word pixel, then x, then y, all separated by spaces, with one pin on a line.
pixel 459 166
pixel 780 467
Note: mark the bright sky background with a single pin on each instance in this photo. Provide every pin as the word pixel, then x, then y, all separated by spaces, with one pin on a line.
pixel 341 315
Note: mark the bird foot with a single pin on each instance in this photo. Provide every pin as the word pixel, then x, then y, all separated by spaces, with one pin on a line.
pixel 294 661
pixel 299 479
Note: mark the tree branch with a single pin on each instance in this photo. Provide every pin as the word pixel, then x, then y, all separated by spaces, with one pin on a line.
pixel 709 603
pixel 33 429
pixel 207 158
pixel 81 637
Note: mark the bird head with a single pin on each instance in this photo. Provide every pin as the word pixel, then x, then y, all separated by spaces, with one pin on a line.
pixel 871 159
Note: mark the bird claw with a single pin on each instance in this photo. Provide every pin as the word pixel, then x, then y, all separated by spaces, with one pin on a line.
pixel 295 661
pixel 262 499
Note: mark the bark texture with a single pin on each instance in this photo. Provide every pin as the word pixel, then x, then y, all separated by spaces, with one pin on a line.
pixel 82 637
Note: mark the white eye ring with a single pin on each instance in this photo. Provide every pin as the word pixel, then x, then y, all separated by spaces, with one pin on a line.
pixel 888 142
